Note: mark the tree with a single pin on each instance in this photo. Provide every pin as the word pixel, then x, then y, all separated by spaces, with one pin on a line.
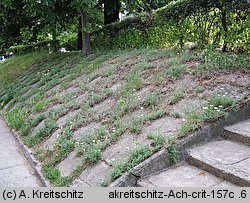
pixel 111 10
pixel 138 6
pixel 13 18
pixel 53 15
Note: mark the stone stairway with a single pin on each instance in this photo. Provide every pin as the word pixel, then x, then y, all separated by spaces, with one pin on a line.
pixel 221 163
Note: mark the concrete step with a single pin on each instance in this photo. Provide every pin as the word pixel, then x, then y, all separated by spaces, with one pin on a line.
pixel 239 132
pixel 184 176
pixel 226 159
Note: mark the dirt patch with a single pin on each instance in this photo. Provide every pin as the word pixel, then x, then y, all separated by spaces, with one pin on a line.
pixel 193 63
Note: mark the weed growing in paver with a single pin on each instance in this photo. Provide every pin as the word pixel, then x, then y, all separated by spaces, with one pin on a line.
pixel 177 95
pixel 63 146
pixel 54 175
pixel 135 157
pixel 29 124
pixel 103 183
pixel 222 101
pixel 134 82
pixel 39 106
pixel 186 128
pixel 199 90
pixel 212 113
pixel 90 146
pixel 136 124
pixel 176 71
pixel 172 155
pixel 118 169
pixel 49 126
pixel 157 139
pixel 15 118
pixel 151 100
pixel 51 173
pixel 118 129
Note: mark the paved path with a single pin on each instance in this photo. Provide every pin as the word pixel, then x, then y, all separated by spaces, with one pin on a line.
pixel 15 170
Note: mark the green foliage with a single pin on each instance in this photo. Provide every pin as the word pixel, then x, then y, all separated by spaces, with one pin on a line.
pixel 136 124
pixel 172 154
pixel 185 128
pixel 222 102
pixel 136 156
pixel 157 139
pixel 15 118
pixel 180 22
pixel 176 71
pixel 151 100
pixel 91 146
pixel 39 106
pixel 177 95
pixel 134 82
pixel 51 173
pixel 49 126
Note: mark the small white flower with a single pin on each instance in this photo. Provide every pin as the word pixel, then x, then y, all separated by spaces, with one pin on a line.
pixel 205 108
pixel 218 110
pixel 183 119
pixel 211 105
pixel 220 106
pixel 142 108
pixel 215 108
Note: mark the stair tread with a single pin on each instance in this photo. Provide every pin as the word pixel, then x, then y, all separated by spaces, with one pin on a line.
pixel 227 156
pixel 242 128
pixel 184 176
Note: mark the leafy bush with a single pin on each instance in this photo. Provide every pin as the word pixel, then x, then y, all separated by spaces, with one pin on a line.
pixel 200 22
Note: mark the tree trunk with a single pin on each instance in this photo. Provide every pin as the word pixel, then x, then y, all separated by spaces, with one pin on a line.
pixel 111 11
pixel 86 48
pixel 79 38
pixel 224 25
pixel 54 45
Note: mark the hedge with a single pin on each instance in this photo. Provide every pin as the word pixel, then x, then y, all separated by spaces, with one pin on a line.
pixel 198 21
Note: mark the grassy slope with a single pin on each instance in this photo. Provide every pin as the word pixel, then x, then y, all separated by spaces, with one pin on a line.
pixel 37 90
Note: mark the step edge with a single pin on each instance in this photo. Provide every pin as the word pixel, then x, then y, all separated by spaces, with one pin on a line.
pixel 230 177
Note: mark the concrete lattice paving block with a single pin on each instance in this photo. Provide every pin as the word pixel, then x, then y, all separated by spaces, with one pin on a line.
pixel 68 165
pixel 225 90
pixel 68 90
pixel 49 144
pixel 188 105
pixel 63 120
pixel 86 130
pixel 121 149
pixel 94 175
pixel 138 113
pixel 115 87
pixel 104 106
pixel 166 126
